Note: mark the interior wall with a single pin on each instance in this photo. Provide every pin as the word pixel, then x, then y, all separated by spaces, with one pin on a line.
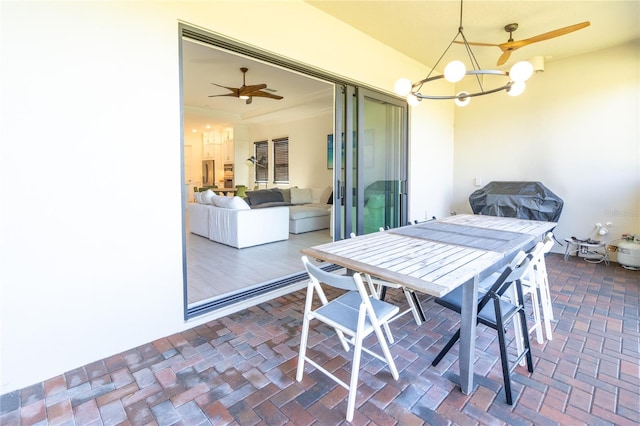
pixel 90 165
pixel 193 162
pixel 575 129
pixel 307 149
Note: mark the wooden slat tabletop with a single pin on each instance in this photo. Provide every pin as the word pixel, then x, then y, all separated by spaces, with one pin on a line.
pixel 522 226
pixel 432 257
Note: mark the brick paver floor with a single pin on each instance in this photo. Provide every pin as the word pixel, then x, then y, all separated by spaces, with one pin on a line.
pixel 240 370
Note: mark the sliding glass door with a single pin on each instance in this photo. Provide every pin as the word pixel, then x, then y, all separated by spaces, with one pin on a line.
pixel 370 158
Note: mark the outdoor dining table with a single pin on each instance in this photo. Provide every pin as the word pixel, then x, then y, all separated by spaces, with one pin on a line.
pixel 435 257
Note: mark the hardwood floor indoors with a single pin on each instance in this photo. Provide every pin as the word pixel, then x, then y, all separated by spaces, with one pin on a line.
pixel 214 269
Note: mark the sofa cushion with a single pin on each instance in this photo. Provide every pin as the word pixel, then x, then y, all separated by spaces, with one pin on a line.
pixel 219 201
pixel 320 195
pixel 232 203
pixel 286 194
pixel 237 203
pixel 274 204
pixel 301 195
pixel 309 210
pixel 264 196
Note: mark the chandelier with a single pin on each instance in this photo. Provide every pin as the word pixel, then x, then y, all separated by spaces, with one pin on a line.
pixel 456 70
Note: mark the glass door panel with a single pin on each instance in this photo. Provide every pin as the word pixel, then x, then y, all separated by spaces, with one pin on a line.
pixel 370 161
pixel 382 164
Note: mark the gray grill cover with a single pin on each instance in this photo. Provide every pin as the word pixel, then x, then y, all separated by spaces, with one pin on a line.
pixel 524 200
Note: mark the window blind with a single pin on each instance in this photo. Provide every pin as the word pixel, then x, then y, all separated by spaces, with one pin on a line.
pixel 262 156
pixel 281 160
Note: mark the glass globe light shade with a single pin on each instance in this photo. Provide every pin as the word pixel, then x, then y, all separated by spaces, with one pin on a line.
pixel 402 87
pixel 521 71
pixel 462 99
pixel 413 100
pixel 454 71
pixel 516 88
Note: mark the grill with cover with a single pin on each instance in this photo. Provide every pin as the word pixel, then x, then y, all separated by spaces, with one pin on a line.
pixel 524 200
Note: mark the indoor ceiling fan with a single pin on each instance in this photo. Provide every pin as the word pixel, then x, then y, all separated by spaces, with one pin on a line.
pixel 511 45
pixel 247 92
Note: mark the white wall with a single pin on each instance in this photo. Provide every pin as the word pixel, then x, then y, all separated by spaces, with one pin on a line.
pixel 575 129
pixel 91 235
pixel 431 154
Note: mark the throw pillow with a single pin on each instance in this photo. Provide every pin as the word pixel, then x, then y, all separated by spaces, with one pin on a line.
pixel 301 195
pixel 207 197
pixel 286 194
pixel 318 195
pixel 237 203
pixel 265 196
pixel 220 201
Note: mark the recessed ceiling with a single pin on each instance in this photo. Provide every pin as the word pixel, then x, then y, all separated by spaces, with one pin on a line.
pixel 204 65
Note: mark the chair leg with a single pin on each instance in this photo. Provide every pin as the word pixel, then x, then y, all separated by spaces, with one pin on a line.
pixel 506 374
pixel 377 293
pixel 353 384
pixel 446 348
pixel 513 295
pixel 545 302
pixel 383 292
pixel 535 304
pixel 303 348
pixel 386 352
pixel 414 304
pixel 387 330
pixel 527 343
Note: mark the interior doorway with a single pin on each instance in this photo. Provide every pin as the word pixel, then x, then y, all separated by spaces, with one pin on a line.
pixel 217 277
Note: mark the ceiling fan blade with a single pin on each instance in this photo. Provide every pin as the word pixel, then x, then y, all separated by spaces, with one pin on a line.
pixel 513 45
pixel 475 43
pixel 226 94
pixel 233 90
pixel 504 57
pixel 245 90
pixel 261 94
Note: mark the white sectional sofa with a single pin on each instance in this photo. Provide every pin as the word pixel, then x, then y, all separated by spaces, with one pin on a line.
pixel 230 221
pixel 309 209
pixel 309 217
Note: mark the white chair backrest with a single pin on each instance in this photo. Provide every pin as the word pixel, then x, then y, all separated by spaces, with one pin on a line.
pixel 548 243
pixel 343 282
pixel 519 266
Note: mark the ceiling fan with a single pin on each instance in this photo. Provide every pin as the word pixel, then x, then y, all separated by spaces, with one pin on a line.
pixel 247 92
pixel 511 45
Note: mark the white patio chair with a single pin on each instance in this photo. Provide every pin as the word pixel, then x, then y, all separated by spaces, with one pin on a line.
pixel 536 284
pixel 354 315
